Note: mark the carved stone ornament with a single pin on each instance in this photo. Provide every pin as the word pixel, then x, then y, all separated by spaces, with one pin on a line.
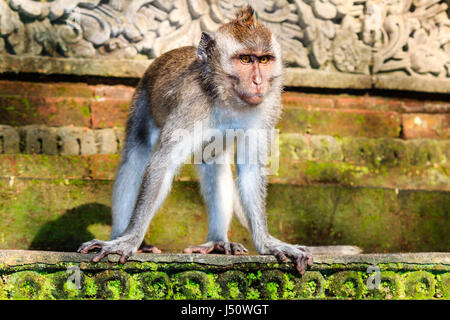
pixel 406 38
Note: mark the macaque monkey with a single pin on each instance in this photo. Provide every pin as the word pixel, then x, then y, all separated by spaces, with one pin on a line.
pixel 233 80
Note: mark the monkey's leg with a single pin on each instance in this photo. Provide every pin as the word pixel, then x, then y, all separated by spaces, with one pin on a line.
pixel 156 184
pixel 252 189
pixel 217 186
pixel 141 139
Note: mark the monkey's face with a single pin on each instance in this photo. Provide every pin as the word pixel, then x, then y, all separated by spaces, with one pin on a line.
pixel 244 58
pixel 251 75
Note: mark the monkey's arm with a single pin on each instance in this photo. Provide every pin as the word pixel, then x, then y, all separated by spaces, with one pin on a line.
pixel 156 184
pixel 252 190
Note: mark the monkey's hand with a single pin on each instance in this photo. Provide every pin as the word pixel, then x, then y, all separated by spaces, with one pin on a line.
pixel 218 247
pixel 122 246
pixel 300 255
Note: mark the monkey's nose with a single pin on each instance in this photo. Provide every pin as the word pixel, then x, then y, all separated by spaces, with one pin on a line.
pixel 257 80
pixel 256 76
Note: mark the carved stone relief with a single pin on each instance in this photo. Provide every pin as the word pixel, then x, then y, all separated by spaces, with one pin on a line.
pixel 367 37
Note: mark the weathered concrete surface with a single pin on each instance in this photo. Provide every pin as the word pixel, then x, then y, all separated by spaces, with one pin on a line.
pixel 14 258
pixel 60 214
pixel 64 275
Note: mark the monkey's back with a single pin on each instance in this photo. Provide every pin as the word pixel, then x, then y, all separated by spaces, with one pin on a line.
pixel 165 78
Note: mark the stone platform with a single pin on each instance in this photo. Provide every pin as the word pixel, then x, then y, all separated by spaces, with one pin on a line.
pixel 29 274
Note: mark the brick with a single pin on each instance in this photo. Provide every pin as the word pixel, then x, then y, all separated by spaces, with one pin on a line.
pixel 369 103
pixel 37 89
pixel 113 92
pixel 325 148
pixel 50 111
pixel 108 113
pixel 375 152
pixel 106 141
pixel 426 125
pixel 336 122
pixel 306 100
pixel 39 139
pixel 352 102
pixel 76 141
pixel 294 146
pixel 9 140
pixel 426 152
pixel 120 137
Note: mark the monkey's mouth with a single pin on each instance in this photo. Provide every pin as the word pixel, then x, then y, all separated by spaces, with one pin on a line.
pixel 251 98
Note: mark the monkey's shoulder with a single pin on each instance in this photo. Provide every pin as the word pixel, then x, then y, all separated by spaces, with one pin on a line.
pixel 173 62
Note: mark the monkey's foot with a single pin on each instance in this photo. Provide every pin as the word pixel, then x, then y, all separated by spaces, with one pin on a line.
pixel 218 247
pixel 300 255
pixel 124 247
pixel 148 248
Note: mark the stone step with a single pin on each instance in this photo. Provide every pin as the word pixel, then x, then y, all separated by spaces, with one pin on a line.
pixel 102 106
pixel 61 214
pixel 61 275
pixel 40 139
pixel 302 159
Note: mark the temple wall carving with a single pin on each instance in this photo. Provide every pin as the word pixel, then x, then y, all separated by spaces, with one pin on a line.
pixel 389 44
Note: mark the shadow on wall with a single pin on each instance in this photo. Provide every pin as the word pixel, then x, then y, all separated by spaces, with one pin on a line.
pixel 72 228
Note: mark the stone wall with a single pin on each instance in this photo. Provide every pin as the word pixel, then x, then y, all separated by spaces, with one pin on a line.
pixel 336 44
pixel 359 164
pixel 51 275
pixel 351 165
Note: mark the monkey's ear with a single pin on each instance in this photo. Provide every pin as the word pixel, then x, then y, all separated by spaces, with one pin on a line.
pixel 205 47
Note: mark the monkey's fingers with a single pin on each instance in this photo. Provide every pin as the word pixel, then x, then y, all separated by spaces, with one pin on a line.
pixel 90 245
pixel 229 248
pixel 222 247
pixel 100 255
pixel 238 249
pixel 302 262
pixel 124 257
pixel 280 256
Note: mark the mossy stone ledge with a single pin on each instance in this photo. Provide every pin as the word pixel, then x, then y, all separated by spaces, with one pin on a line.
pixel 27 274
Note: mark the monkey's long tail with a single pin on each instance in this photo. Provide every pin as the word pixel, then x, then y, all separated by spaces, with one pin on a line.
pixel 335 250
pixel 319 250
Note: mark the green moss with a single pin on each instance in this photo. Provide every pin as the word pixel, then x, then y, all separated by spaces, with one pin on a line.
pixel 346 284
pixel 272 284
pixel 190 285
pixel 85 110
pixel 420 285
pixel 253 294
pixel 113 284
pixel 26 104
pixel 90 287
pixel 214 289
pixel 28 285
pixel 272 289
pixel 289 292
pixel 443 289
pixel 154 285
pixel 311 285
pixel 115 288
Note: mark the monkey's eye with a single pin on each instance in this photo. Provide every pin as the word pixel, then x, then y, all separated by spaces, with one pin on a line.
pixel 245 58
pixel 264 60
